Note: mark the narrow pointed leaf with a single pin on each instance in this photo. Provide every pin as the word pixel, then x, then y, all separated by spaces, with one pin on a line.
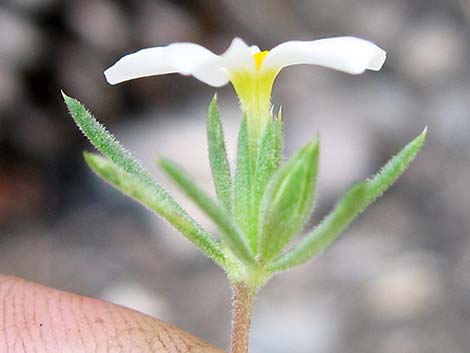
pixel 288 201
pixel 104 141
pixel 267 163
pixel 356 200
pixel 243 186
pixel 124 165
pixel 265 168
pixel 278 139
pixel 394 168
pixel 218 156
pixel 327 231
pixel 230 235
pixel 151 197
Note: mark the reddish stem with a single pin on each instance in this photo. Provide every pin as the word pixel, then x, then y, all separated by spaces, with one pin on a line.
pixel 241 320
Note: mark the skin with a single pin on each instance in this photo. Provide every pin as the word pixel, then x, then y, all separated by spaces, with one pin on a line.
pixel 37 319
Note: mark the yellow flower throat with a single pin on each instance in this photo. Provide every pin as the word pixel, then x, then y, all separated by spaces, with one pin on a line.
pixel 254 88
pixel 259 58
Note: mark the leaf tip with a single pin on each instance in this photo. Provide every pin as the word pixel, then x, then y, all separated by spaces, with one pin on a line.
pixel 67 99
pixel 89 157
pixel 213 110
pixel 72 104
pixel 317 137
pixel 213 100
pixel 424 133
pixel 162 162
pixel 313 146
pixel 419 140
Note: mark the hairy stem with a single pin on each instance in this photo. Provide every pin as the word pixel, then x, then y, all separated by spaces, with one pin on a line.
pixel 241 320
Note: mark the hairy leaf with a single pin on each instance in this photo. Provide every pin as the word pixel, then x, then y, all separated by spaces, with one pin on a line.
pixel 327 231
pixel 230 234
pixel 218 156
pixel 394 168
pixel 288 201
pixel 244 185
pixel 131 178
pixel 356 200
pixel 266 165
pixel 278 139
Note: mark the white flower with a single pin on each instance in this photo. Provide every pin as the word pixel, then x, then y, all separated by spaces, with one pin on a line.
pixel 252 72
pixel 348 54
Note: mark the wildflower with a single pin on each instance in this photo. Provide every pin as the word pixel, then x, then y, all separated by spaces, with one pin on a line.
pixel 251 71
pixel 264 204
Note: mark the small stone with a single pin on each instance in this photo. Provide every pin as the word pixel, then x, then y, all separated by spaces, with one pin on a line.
pixel 100 23
pixel 432 51
pixel 10 87
pixel 32 5
pixel 21 41
pixel 409 288
pixel 160 25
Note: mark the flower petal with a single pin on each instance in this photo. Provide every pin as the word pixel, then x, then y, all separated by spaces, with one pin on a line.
pixel 348 54
pixel 183 58
pixel 254 49
pixel 239 56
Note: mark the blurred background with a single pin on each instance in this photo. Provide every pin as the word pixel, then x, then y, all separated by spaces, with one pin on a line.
pixel 397 281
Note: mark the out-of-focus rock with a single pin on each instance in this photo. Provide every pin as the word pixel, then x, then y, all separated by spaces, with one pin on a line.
pixel 32 5
pixel 431 51
pixel 401 341
pixel 81 76
pixel 38 135
pixel 449 110
pixel 380 23
pixel 417 340
pixel 252 16
pixel 10 87
pixel 460 277
pixel 22 194
pixel 285 326
pixel 101 24
pixel 21 41
pixel 161 23
pixel 410 287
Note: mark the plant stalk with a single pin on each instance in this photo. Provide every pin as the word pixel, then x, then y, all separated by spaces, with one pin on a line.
pixel 242 303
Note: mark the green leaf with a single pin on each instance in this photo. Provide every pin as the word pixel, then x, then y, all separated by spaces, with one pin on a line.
pixel 218 156
pixel 288 201
pixel 152 198
pixel 394 168
pixel 327 231
pixel 278 140
pixel 230 235
pixel 265 168
pixel 131 178
pixel 356 200
pixel 267 160
pixel 104 141
pixel 243 186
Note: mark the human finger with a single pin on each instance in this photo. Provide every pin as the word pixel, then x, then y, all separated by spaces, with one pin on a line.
pixel 34 318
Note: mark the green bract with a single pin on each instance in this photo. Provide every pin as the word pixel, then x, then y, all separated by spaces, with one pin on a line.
pixel 218 156
pixel 259 209
pixel 288 201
